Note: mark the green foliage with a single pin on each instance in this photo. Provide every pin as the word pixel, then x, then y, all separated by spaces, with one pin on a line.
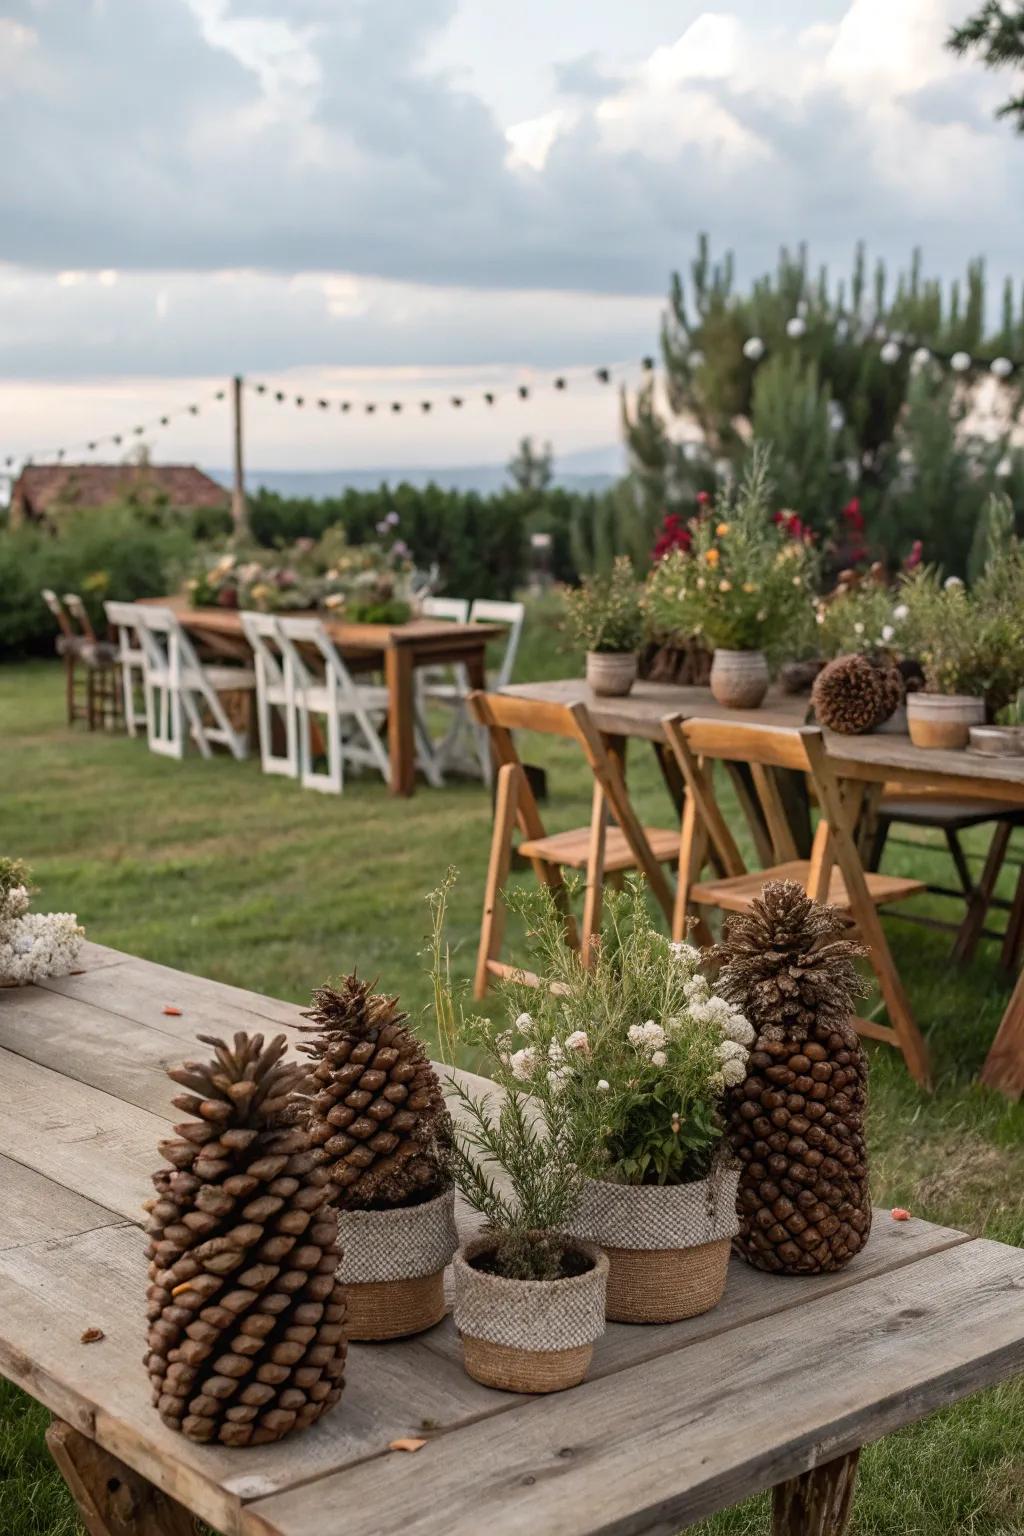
pixel 861 619
pixel 993 535
pixel 512 1159
pixel 531 472
pixel 112 552
pixel 605 613
pixel 745 583
pixel 841 420
pixel 994 34
pixel 631 1055
pixel 970 640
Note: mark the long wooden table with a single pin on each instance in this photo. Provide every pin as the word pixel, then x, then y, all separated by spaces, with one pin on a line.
pixel 398 648
pixel 674 1423
pixel 878 758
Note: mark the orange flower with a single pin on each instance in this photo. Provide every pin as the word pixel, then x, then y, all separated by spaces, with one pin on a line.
pixel 899 1214
pixel 722 530
pixel 712 557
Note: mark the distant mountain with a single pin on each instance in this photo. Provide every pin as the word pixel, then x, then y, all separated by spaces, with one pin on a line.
pixel 591 469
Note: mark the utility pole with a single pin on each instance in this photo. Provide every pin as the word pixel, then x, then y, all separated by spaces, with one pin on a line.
pixel 239 511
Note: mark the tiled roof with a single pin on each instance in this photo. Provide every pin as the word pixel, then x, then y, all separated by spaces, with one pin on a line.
pixel 39 486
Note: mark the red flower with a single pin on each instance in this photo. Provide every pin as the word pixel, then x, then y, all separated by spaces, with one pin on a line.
pixel 853 515
pixel 703 498
pixel 913 560
pixel 793 526
pixel 674 535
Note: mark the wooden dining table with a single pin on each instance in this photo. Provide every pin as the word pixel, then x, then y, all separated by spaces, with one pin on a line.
pixel 398 649
pixel 777 1387
pixel 879 758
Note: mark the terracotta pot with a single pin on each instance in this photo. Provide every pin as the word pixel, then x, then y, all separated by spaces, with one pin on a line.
pixel 528 1335
pixel 739 679
pixel 392 1267
pixel 612 673
pixel 667 1245
pixel 943 719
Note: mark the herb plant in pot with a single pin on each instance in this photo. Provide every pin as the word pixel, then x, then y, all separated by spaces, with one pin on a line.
pixel 634 1056
pixel 953 639
pixel 605 615
pixel 744 586
pixel 378 1119
pixel 529 1297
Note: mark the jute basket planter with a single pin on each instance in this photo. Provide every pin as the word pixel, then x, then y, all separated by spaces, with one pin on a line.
pixel 528 1335
pixel 393 1265
pixel 739 679
pixel 667 1245
pixel 943 719
pixel 612 673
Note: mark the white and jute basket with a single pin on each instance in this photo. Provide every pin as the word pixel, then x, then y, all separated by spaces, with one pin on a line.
pixel 528 1335
pixel 393 1265
pixel 667 1244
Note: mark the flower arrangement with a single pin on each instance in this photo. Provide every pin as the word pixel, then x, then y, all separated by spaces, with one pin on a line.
pixel 33 945
pixel 605 613
pixel 746 580
pixel 862 619
pixel 367 583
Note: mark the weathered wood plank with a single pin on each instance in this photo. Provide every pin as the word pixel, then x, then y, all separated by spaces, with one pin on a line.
pixel 50 1293
pixel 78 1136
pixel 34 1208
pixel 664 1444
pixel 111 1499
pixel 749 1296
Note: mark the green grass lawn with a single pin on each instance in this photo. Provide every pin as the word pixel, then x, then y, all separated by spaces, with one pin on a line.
pixel 211 867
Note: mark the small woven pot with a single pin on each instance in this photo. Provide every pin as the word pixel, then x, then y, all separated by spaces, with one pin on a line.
pixel 528 1335
pixel 611 673
pixel 739 679
pixel 943 719
pixel 667 1244
pixel 393 1265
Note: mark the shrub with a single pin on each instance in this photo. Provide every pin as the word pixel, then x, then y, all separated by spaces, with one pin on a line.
pixel 605 613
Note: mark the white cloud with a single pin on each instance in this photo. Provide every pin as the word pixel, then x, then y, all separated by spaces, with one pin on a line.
pixel 530 142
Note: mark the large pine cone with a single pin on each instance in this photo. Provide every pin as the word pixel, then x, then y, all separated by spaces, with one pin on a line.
pixel 246 1335
pixel 377 1113
pixel 797 1126
pixel 849 696
pixel 797 1122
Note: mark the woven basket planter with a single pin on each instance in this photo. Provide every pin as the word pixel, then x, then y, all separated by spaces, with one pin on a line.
pixel 393 1265
pixel 667 1244
pixel 528 1335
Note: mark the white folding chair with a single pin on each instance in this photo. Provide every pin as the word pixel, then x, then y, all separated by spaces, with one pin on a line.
pixel 465 745
pixel 179 688
pixel 353 713
pixel 275 693
pixel 486 610
pixel 126 624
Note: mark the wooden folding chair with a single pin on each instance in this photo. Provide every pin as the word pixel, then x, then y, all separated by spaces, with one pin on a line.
pixel 601 850
pixel 833 874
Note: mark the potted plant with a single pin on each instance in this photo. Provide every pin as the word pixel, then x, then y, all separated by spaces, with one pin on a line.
pixel 377 1117
pixel 633 1057
pixel 955 639
pixel 605 615
pixel 529 1297
pixel 33 945
pixel 743 586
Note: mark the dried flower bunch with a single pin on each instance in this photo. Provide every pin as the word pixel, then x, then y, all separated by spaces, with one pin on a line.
pixel 377 1114
pixel 33 945
pixel 605 613
pixel 746 582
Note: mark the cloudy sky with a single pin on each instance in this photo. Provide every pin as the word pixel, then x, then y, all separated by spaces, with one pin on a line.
pixel 392 198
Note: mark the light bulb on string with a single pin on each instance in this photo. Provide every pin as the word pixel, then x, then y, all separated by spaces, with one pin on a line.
pixel 960 362
pixel 753 349
pixel 890 352
pixel 1001 367
pixel 921 357
pixel 796 327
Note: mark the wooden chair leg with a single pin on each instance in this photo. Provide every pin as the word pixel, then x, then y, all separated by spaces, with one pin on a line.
pixel 492 926
pixel 1004 1064
pixel 980 898
pixel 594 894
pixel 818 1502
pixel 111 1499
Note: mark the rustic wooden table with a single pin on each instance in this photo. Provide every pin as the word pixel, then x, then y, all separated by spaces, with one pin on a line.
pixel 879 758
pixel 398 648
pixel 674 1423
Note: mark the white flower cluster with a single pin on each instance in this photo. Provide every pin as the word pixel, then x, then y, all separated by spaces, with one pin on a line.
pixel 38 944
pixel 13 904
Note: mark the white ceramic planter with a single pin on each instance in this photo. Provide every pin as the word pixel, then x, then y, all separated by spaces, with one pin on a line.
pixel 393 1264
pixel 943 720
pixel 528 1335
pixel 739 679
pixel 612 673
pixel 667 1245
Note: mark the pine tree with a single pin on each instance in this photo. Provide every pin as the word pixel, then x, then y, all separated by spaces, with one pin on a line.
pixel 995 35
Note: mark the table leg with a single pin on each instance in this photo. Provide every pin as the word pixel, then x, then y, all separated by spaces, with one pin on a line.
pixel 111 1499
pixel 401 740
pixel 818 1502
pixel 1004 1064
